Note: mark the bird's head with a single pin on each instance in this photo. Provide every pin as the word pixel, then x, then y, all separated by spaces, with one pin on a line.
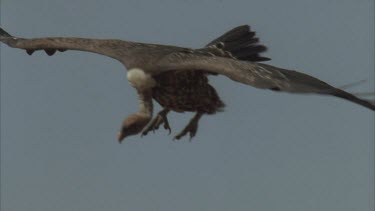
pixel 133 125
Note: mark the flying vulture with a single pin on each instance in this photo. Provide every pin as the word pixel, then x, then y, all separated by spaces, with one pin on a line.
pixel 176 77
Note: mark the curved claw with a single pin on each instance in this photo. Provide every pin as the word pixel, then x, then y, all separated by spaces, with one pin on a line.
pixel 155 123
pixel 191 128
pixel 166 125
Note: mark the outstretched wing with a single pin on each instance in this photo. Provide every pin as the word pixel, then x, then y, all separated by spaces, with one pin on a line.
pixel 254 74
pixel 113 48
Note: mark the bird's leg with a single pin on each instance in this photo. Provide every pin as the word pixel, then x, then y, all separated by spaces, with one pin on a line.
pixel 191 128
pixel 160 118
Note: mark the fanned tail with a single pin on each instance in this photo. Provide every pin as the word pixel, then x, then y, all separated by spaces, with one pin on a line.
pixel 241 43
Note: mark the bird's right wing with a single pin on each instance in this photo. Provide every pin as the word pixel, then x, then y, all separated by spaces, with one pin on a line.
pixel 113 48
pixel 254 74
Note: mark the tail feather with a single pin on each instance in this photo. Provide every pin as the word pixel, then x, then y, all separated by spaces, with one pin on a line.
pixel 241 43
pixel 347 96
pixel 231 35
pixel 248 52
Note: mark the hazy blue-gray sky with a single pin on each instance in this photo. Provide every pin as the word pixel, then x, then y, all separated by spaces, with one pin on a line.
pixel 267 151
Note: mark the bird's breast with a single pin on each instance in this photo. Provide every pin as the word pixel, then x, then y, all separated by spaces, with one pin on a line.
pixel 186 91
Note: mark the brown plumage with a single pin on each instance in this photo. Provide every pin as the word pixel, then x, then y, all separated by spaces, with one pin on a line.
pixel 186 91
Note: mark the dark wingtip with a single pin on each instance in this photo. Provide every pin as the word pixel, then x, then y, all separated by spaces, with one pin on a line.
pixel 50 52
pixel 3 33
pixel 345 95
pixel 29 51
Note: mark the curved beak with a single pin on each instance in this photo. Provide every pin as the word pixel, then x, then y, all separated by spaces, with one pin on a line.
pixel 120 137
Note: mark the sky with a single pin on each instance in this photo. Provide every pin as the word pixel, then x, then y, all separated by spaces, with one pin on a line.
pixel 266 151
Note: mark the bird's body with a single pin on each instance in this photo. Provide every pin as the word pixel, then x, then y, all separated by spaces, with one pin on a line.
pixel 182 91
pixel 176 77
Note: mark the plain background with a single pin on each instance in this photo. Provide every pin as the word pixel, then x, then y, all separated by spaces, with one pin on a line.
pixel 267 151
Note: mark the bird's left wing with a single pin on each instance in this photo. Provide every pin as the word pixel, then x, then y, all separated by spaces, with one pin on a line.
pixel 254 74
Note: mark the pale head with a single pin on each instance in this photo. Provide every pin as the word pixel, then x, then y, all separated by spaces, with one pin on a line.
pixel 133 125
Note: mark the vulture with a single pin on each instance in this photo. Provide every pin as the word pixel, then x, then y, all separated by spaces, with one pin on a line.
pixel 177 77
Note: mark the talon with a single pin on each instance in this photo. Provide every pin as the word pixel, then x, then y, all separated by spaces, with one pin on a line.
pixel 157 121
pixel 144 133
pixel 176 138
pixel 167 127
pixel 191 128
pixel 191 136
